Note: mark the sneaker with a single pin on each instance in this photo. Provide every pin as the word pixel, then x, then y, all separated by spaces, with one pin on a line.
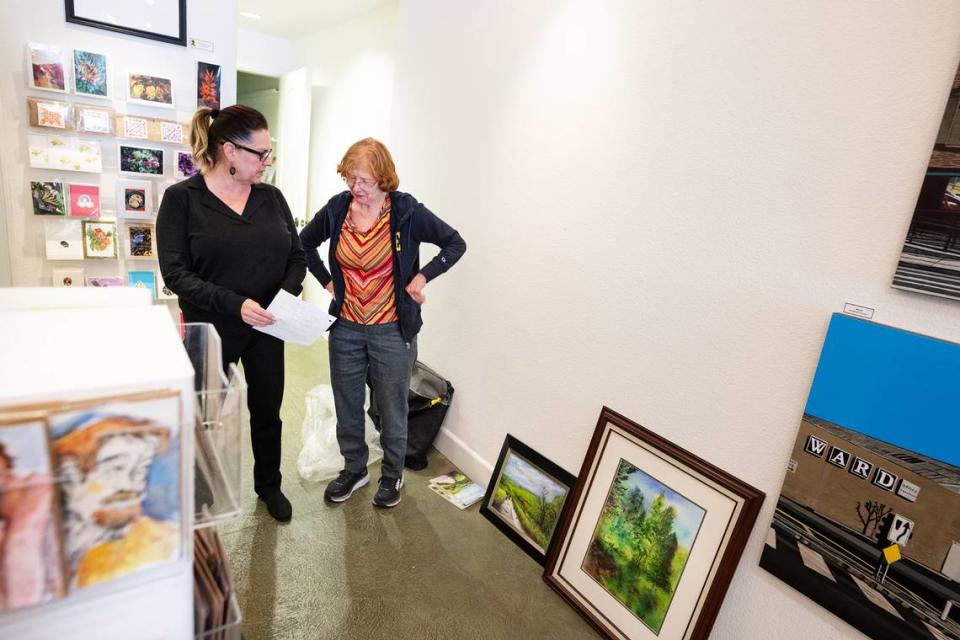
pixel 278 506
pixel 388 495
pixel 345 484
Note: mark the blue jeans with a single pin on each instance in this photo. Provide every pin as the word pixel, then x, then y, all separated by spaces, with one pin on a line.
pixel 356 349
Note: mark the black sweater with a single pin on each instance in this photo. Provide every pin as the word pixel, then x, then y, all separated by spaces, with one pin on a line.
pixel 214 259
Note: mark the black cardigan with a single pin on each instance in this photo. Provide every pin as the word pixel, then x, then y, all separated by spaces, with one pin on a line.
pixel 214 259
pixel 410 224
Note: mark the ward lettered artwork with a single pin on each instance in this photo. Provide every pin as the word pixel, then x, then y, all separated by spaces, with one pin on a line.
pixel 868 520
pixel 118 461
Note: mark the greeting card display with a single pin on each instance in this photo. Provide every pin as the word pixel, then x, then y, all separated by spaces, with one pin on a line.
pixel 186 167
pixel 143 280
pixel 84 200
pixel 67 277
pixel 208 85
pixel 47 67
pixel 63 239
pixel 90 76
pixel 91 119
pixel 49 114
pixel 48 198
pixel 106 281
pixel 151 90
pixel 99 239
pixel 141 161
pixel 140 241
pixel 134 198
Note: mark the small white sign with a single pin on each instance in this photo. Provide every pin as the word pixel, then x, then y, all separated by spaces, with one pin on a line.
pixel 792 466
pixel 900 530
pixel 858 310
pixel 908 491
pixel 197 43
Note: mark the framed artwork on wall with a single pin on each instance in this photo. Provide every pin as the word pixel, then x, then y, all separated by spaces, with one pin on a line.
pixel 164 20
pixel 150 90
pixel 874 471
pixel 49 198
pixel 134 198
pixel 99 239
pixel 525 497
pixel 140 242
pixel 63 239
pixel 140 161
pixel 67 277
pixel 651 537
pixel 186 167
pixel 208 85
pixel 84 200
pixel 143 280
pixel 90 77
pixel 47 67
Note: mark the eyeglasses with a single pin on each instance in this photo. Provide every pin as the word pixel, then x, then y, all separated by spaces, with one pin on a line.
pixel 354 180
pixel 263 155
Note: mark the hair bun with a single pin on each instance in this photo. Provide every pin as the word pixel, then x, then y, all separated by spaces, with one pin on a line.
pixel 214 113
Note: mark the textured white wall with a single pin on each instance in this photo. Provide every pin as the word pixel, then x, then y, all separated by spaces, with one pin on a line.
pixel 351 66
pixel 43 21
pixel 663 204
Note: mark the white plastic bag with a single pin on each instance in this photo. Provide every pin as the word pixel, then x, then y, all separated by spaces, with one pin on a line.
pixel 320 457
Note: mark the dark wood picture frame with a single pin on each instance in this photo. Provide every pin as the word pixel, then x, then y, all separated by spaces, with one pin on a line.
pixel 709 586
pixel 179 39
pixel 547 468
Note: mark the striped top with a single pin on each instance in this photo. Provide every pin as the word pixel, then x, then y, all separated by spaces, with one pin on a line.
pixel 367 263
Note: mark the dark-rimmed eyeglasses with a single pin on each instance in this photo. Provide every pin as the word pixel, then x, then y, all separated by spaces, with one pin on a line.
pixel 263 155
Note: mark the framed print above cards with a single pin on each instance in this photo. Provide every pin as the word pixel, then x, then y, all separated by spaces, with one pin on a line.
pixel 150 90
pixel 652 535
pixel 90 77
pixel 163 20
pixel 47 67
pixel 63 239
pixel 135 198
pixel 99 239
pixel 525 497
pixel 140 161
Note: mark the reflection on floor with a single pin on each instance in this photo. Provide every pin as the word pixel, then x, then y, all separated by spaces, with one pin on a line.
pixel 422 570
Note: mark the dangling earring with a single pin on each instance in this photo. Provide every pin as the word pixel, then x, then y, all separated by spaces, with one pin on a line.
pixel 233 171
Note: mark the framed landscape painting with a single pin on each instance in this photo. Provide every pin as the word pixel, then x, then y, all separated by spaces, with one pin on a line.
pixel 526 496
pixel 652 535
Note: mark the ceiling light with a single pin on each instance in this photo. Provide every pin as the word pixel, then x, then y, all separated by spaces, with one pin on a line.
pixel 252 16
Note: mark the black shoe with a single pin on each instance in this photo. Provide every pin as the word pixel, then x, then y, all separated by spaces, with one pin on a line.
pixel 388 495
pixel 278 506
pixel 345 484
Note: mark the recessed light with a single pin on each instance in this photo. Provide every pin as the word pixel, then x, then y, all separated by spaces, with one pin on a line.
pixel 247 14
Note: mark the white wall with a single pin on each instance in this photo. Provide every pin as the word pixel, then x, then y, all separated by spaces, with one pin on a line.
pixel 663 203
pixel 264 54
pixel 44 22
pixel 352 66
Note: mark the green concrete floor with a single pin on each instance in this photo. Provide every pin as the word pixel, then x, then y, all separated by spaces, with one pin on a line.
pixel 423 569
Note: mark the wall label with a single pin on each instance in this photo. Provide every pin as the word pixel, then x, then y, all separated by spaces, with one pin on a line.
pixel 197 43
pixel 908 491
pixel 858 310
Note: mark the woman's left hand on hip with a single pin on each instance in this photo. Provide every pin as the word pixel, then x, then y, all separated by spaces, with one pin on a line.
pixel 415 288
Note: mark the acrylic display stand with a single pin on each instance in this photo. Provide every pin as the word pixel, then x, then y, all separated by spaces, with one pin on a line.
pixel 67 346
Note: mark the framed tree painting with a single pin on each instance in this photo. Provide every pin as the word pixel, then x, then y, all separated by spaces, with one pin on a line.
pixel 651 537
pixel 526 496
pixel 164 20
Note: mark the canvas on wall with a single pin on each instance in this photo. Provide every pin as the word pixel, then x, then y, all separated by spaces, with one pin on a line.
pixel 876 465
pixel 930 258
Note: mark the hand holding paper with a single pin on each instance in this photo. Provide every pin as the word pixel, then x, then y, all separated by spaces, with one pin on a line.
pixel 296 321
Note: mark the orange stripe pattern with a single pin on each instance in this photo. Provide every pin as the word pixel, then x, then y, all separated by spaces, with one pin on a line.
pixel 366 260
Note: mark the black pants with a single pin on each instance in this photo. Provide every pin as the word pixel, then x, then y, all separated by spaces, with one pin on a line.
pixel 262 359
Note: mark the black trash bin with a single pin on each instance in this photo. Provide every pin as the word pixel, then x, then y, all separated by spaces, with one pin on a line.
pixel 427 404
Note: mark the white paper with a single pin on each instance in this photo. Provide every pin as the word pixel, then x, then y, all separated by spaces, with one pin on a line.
pixel 297 321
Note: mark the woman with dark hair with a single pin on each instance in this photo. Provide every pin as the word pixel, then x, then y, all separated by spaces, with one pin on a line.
pixel 377 285
pixel 227 244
